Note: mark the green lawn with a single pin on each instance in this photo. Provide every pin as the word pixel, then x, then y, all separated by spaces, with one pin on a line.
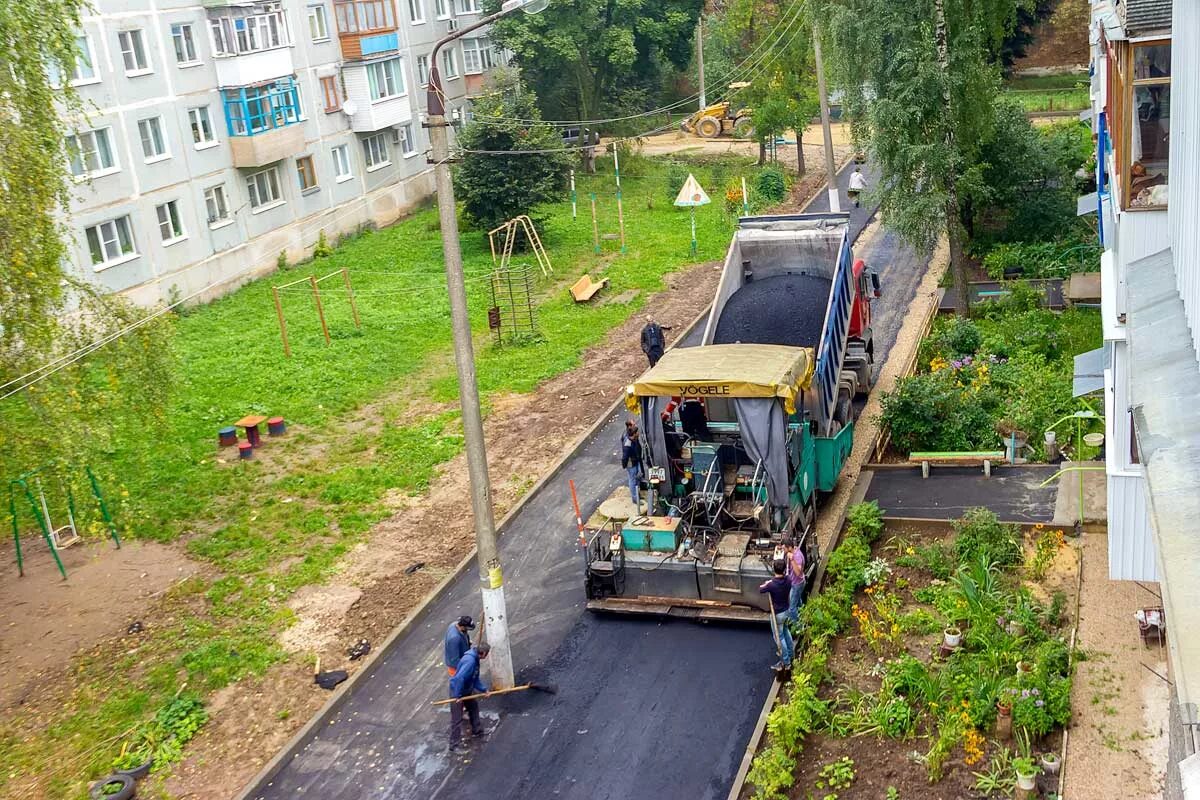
pixel 167 483
pixel 1069 80
pixel 1070 99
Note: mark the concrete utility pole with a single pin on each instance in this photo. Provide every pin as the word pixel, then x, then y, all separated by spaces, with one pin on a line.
pixel 700 58
pixel 491 577
pixel 835 204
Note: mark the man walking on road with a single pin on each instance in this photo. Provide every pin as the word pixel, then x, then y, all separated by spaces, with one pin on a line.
pixel 457 642
pixel 466 682
pixel 653 341
pixel 778 590
pixel 858 185
pixel 631 460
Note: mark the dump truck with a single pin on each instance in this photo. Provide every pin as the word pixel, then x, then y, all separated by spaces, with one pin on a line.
pixel 742 434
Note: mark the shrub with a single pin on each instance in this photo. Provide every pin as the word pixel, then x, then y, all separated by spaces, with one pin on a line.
pixel 848 563
pixel 281 263
pixel 322 249
pixel 771 184
pixel 931 411
pixel 866 520
pixel 771 773
pixel 979 534
pixel 676 176
pixel 960 337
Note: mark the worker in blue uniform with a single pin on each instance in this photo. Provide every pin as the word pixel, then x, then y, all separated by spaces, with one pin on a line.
pixel 457 642
pixel 465 682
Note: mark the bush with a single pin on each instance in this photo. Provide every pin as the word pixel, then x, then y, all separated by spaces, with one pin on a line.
pixel 930 411
pixel 771 184
pixel 866 520
pixel 848 563
pixel 980 534
pixel 676 176
pixel 322 249
pixel 958 338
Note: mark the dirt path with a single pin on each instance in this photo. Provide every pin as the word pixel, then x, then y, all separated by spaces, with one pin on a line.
pixel 814 147
pixel 1118 734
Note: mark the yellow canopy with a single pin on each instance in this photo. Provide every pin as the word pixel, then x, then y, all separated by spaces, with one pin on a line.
pixel 727 370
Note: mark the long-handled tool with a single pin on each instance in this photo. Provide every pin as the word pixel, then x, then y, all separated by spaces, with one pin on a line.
pixel 537 687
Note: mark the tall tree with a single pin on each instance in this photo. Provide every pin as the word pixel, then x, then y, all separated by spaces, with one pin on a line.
pixel 495 188
pixel 920 78
pixel 590 58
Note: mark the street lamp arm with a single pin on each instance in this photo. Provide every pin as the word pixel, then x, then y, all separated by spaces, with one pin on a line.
pixel 434 94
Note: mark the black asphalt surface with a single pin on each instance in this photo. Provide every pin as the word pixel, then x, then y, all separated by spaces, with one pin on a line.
pixel 1014 493
pixel 781 309
pixel 644 709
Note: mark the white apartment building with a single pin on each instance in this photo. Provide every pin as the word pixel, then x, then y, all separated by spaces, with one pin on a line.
pixel 221 133
pixel 1146 114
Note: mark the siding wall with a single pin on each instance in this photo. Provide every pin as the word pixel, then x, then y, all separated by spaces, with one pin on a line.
pixel 1185 161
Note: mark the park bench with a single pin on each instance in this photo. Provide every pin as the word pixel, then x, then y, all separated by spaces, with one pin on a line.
pixel 983 458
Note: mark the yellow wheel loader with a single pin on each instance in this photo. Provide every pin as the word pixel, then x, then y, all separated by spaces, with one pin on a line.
pixel 721 119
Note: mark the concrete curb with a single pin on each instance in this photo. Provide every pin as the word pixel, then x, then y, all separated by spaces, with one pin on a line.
pixel 343 693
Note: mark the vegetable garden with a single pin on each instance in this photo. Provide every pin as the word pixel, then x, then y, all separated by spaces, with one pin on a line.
pixel 937 665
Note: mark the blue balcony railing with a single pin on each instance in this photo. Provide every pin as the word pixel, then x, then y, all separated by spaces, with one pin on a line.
pixel 381 43
pixel 1103 148
pixel 251 110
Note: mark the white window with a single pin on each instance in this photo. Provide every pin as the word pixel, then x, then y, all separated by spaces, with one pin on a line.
pixel 416 11
pixel 260 32
pixel 263 188
pixel 110 242
pixel 341 163
pixel 449 64
pixel 154 144
pixel 202 132
pixel 133 51
pixel 375 151
pixel 477 55
pixel 468 7
pixel 404 138
pixel 318 23
pixel 169 225
pixel 84 68
pixel 443 8
pixel 386 78
pixel 90 152
pixel 423 70
pixel 222 36
pixel 185 44
pixel 216 204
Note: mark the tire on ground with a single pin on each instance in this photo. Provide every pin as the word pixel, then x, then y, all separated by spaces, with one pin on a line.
pixel 743 128
pixel 708 127
pixel 124 793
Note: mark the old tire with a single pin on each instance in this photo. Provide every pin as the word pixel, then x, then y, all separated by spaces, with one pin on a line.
pixel 138 772
pixel 709 127
pixel 124 793
pixel 743 128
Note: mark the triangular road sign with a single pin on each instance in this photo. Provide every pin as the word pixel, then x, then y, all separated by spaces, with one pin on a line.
pixel 692 193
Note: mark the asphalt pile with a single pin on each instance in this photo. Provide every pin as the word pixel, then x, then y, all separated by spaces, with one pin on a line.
pixel 782 309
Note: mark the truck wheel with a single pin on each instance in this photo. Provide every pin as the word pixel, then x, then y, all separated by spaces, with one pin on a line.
pixel 843 409
pixel 709 127
pixel 743 128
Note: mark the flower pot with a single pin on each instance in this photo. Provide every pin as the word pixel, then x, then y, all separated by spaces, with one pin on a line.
pixel 1003 722
pixel 1050 763
pixel 1027 782
pixel 952 637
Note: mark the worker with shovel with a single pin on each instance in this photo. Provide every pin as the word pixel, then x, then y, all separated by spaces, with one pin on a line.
pixel 465 682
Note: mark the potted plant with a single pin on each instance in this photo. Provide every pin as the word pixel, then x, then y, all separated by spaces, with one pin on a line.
pixel 952 636
pixel 1050 763
pixel 1024 669
pixel 1027 772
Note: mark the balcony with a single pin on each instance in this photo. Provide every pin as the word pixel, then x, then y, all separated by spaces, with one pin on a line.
pixel 250 45
pixel 263 122
pixel 251 68
pixel 378 101
pixel 366 28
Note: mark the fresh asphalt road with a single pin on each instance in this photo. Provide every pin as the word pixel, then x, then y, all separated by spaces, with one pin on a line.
pixel 645 708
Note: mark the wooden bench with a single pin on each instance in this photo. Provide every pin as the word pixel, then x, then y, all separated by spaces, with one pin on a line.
pixel 982 458
pixel 585 288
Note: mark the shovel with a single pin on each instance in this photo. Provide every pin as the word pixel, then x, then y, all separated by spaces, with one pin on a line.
pixel 537 687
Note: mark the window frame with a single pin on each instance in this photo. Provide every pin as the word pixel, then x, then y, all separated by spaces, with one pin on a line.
pixel 306 174
pixel 380 142
pixel 202 143
pixel 162 154
pixel 423 70
pixel 86 51
pixel 443 9
pixel 392 68
pixel 331 91
pixel 122 256
pixel 272 183
pixel 1129 86
pixel 323 16
pixel 415 6
pixel 408 145
pixel 226 217
pixel 449 65
pixel 340 153
pixel 468 7
pixel 134 36
pixel 171 218
pixel 179 36
pixel 88 174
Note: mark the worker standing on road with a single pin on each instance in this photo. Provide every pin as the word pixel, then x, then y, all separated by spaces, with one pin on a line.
pixel 795 571
pixel 458 642
pixel 778 590
pixel 631 460
pixel 858 185
pixel 466 682
pixel 653 341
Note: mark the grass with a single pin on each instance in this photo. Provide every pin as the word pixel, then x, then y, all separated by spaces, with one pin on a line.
pixel 1070 80
pixel 1033 101
pixel 168 485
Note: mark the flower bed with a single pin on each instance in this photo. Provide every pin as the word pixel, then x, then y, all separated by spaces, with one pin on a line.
pixel 1008 368
pixel 878 707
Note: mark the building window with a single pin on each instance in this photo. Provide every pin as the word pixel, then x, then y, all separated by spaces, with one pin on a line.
pixel 386 78
pixel 263 188
pixel 318 23
pixel 468 7
pixel 90 152
pixel 154 144
pixel 133 51
pixel 221 31
pixel 110 242
pixel 341 163
pixel 416 11
pixel 254 109
pixel 364 16
pixel 375 151
pixel 477 55
pixel 83 69
pixel 443 9
pixel 169 226
pixel 306 173
pixel 185 44
pixel 202 132
pixel 449 64
pixel 1150 125
pixel 423 70
pixel 404 138
pixel 329 88
pixel 260 32
pixel 216 204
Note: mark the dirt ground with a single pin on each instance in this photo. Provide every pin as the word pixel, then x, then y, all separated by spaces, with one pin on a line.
pixel 1119 702
pixel 814 148
pixel 45 620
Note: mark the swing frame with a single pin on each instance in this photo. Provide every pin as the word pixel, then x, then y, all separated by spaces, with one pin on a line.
pixel 21 485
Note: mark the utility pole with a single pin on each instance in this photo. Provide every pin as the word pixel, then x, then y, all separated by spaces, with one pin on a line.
pixel 700 58
pixel 835 204
pixel 491 577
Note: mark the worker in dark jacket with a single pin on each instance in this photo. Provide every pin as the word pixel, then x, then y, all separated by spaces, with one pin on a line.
pixel 778 589
pixel 458 642
pixel 631 460
pixel 653 341
pixel 466 682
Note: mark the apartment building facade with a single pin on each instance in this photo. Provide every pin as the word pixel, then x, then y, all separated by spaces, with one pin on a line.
pixel 219 134
pixel 1146 115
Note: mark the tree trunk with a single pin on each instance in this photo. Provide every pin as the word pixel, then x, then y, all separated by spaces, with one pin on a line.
pixel 762 152
pixel 958 260
pixel 799 155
